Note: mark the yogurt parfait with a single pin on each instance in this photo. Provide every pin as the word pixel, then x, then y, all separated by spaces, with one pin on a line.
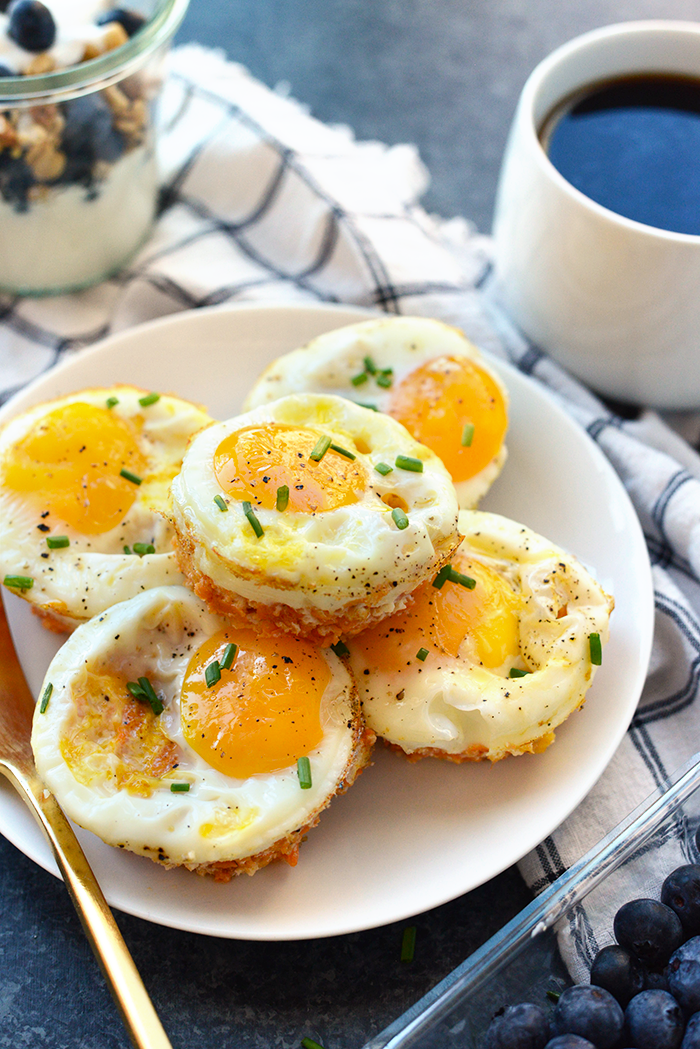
pixel 78 176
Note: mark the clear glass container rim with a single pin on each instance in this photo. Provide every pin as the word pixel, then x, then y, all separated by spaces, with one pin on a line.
pixel 97 72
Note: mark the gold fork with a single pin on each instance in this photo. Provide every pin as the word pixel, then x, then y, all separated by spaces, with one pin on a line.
pixel 17 764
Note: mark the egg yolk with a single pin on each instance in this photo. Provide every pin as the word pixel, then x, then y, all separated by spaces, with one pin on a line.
pixel 70 463
pixel 251 464
pixel 441 619
pixel 264 712
pixel 435 403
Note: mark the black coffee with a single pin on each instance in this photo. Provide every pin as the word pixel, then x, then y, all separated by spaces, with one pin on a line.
pixel 633 145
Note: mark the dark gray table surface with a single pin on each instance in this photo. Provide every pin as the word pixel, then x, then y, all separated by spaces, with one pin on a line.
pixel 444 74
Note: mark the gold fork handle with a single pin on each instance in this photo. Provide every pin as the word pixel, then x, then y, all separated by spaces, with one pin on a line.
pixel 123 979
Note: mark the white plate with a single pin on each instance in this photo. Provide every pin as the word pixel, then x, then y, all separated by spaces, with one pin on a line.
pixel 406 837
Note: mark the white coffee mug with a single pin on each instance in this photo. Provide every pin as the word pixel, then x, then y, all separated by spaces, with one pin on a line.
pixel 615 301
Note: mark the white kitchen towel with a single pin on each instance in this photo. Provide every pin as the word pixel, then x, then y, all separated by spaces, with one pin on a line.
pixel 263 202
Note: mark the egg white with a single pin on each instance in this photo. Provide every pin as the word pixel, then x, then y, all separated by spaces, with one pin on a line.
pixel 72 584
pixel 456 708
pixel 154 635
pixel 329 362
pixel 310 571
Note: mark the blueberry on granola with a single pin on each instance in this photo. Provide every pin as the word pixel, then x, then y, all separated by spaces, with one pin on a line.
pixel 31 25
pixel 89 135
pixel 130 21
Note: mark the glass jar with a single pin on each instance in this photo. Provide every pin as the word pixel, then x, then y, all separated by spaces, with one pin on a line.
pixel 78 170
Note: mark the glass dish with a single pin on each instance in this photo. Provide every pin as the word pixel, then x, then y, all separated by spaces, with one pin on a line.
pixel 535 952
pixel 78 172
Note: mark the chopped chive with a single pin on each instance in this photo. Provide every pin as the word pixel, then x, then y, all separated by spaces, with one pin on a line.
pixel 385 378
pixel 282 497
pixel 400 518
pixel 221 503
pixel 442 577
pixel 57 542
pixel 370 366
pixel 308 1043
pixel 467 434
pixel 422 654
pixel 319 449
pixel 144 548
pixel 407 462
pixel 553 996
pixel 254 523
pixel 111 401
pixel 135 689
pixel 363 404
pixel 128 476
pixel 45 698
pixel 408 943
pixel 463 580
pixel 304 772
pixel 150 694
pixel 358 379
pixel 596 649
pixel 340 649
pixel 178 788
pixel 149 399
pixel 343 451
pixel 127 549
pixel 517 672
pixel 19 582
pixel 384 469
pixel 228 656
pixel 213 673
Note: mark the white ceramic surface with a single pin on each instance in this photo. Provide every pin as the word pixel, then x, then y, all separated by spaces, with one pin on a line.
pixel 406 837
pixel 613 300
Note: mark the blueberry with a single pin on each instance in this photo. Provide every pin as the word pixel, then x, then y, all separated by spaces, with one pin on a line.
pixel 31 25
pixel 653 1020
pixel 89 133
pixel 684 975
pixel 656 981
pixel 650 930
pixel 691 1038
pixel 681 892
pixel 569 1041
pixel 130 21
pixel 619 972
pixel 590 1012
pixel 523 1026
pixel 16 179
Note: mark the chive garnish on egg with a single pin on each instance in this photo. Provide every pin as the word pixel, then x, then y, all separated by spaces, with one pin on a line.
pixel 340 649
pixel 407 462
pixel 221 503
pixel 408 943
pixel 384 469
pixel 144 548
pixel 252 519
pixel 370 366
pixel 304 772
pixel 128 476
pixel 372 407
pixel 150 398
pixel 57 542
pixel 459 577
pixel 400 518
pixel 385 378
pixel 517 672
pixel 112 401
pixel 358 379
pixel 343 451
pixel 127 550
pixel 442 577
pixel 45 698
pixel 319 449
pixel 282 501
pixel 18 582
pixel 212 674
pixel 143 689
pixel 596 649
pixel 422 654
pixel 178 788
pixel 467 435
pixel 228 656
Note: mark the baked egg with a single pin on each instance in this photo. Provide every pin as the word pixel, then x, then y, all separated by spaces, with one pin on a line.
pixel 83 483
pixel 423 373
pixel 312 515
pixel 167 732
pixel 491 655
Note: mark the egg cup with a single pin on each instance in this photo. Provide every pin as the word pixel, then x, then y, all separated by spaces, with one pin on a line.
pixel 493 656
pixel 166 732
pixel 83 485
pixel 423 373
pixel 311 515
